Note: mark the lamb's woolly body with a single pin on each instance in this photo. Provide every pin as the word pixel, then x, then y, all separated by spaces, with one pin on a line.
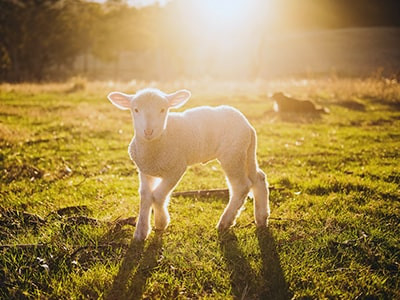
pixel 194 136
pixel 165 144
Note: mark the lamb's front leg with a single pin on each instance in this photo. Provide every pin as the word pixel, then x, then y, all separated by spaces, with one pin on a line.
pixel 143 226
pixel 161 198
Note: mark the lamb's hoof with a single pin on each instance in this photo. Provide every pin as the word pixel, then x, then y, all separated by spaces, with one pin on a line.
pixel 223 226
pixel 262 224
pixel 161 226
pixel 159 229
pixel 140 235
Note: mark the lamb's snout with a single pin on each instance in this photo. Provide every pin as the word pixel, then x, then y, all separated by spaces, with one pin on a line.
pixel 148 132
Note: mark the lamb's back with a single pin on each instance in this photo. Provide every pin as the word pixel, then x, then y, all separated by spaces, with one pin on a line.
pixel 204 132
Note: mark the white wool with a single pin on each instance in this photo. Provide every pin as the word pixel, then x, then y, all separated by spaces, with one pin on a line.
pixel 194 136
pixel 166 143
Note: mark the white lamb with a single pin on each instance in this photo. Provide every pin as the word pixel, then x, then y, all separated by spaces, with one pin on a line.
pixel 166 143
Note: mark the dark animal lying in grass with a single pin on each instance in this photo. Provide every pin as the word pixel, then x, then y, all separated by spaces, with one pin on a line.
pixel 285 104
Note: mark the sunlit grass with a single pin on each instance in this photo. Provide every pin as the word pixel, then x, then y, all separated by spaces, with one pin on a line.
pixel 332 89
pixel 338 201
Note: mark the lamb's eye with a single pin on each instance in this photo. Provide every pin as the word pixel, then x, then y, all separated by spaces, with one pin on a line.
pixel 162 110
pixel 136 110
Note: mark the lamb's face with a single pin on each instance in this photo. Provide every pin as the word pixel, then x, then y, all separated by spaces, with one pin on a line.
pixel 149 113
pixel 149 109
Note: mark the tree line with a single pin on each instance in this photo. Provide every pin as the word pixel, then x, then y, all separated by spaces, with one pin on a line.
pixel 41 39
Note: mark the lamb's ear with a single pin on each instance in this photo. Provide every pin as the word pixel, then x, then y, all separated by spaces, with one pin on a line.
pixel 178 98
pixel 120 100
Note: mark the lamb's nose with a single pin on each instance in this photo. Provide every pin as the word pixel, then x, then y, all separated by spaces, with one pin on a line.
pixel 148 132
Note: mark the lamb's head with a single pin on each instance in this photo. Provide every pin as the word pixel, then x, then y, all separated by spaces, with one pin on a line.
pixel 149 109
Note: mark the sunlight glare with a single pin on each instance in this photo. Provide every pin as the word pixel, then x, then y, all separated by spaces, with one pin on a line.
pixel 220 17
pixel 226 10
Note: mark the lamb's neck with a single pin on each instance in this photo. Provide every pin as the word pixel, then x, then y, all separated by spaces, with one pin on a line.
pixel 149 146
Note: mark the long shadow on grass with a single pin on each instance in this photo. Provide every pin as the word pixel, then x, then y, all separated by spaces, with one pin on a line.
pixel 274 283
pixel 246 283
pixel 136 267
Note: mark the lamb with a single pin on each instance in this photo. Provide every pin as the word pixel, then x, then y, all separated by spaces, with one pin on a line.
pixel 166 143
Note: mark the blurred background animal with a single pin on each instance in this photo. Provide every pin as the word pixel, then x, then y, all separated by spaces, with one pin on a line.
pixel 287 104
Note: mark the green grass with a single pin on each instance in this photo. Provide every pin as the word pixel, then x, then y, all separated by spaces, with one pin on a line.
pixel 334 234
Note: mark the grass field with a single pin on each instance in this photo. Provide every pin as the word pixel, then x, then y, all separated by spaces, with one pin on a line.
pixel 335 227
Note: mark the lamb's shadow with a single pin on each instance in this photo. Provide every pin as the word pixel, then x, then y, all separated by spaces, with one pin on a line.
pixel 239 269
pixel 275 285
pixel 136 267
pixel 270 283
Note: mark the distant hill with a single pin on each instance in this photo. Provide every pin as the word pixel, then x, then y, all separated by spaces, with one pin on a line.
pixel 350 51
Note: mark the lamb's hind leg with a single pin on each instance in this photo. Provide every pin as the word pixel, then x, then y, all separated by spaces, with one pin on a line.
pixel 261 199
pixel 259 185
pixel 239 187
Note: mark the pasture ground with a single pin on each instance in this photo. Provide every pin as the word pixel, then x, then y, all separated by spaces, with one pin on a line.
pixel 335 227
